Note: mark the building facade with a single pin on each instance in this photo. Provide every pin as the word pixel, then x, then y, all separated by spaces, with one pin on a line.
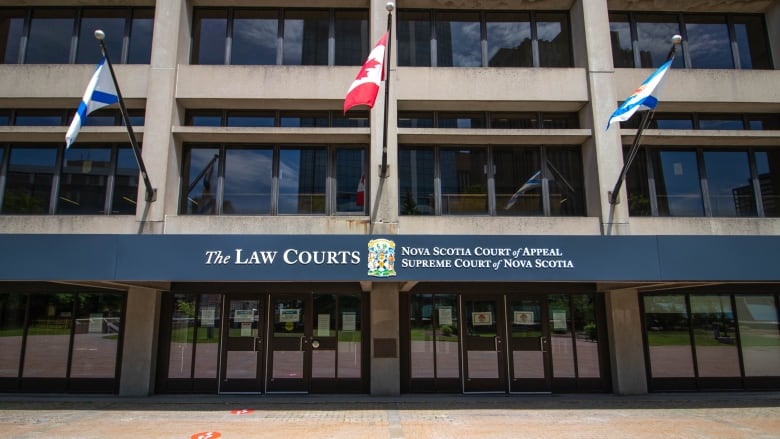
pixel 468 247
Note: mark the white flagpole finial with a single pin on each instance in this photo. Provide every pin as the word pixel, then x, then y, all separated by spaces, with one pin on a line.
pixel 390 6
pixel 677 39
pixel 100 35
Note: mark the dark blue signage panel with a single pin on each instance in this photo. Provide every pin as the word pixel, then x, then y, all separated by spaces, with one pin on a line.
pixel 387 258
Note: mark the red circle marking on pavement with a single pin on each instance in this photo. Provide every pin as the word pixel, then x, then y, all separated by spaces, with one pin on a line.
pixel 241 412
pixel 206 435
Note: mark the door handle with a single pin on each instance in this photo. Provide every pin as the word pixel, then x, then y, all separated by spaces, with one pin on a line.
pixel 496 341
pixel 258 342
pixel 542 342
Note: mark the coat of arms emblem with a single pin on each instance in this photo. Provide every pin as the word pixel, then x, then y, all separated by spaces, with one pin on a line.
pixel 381 258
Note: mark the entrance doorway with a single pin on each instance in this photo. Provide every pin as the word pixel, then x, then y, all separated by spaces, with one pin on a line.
pixel 242 345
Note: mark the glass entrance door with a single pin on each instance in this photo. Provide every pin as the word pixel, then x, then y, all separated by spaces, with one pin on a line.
pixel 484 353
pixel 529 345
pixel 289 349
pixel 242 345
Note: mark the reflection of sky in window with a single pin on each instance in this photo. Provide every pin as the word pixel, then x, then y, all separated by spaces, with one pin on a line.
pixel 680 182
pixel 126 164
pixel 709 46
pixel 506 36
pixel 721 124
pixel 247 174
pixel 140 50
pixel 88 51
pixel 212 41
pixel 548 31
pixel 13 33
pixel 100 159
pixel 23 157
pixel 655 41
pixel 464 44
pixel 254 41
pixel 726 171
pixel 49 41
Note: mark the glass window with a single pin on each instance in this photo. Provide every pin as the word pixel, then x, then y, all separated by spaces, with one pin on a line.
pixel 708 42
pixel 668 336
pixel 104 117
pixel 751 36
pixel 306 38
pixel 182 336
pixel 51 32
pixel 421 337
pixel 677 183
pixel 5 117
pixel 251 119
pixel 566 182
pixel 112 22
pixel 509 40
pixel 759 334
pixel 307 119
pixel 248 181
pixel 622 43
pixel 518 181
pixel 560 121
pixel 653 33
pixel 350 180
pixel 586 335
pixel 415 119
pixel 210 31
pixel 11 31
pixel 351 35
pixel 637 186
pixel 350 337
pixel 140 49
pixel 48 336
pixel 461 120
pixel 730 184
pixel 302 179
pixel 562 348
pixel 416 175
pixel 514 120
pixel 12 310
pixel 768 168
pixel 463 180
pixel 38 118
pixel 84 180
pixel 715 336
pixel 458 40
pixel 414 38
pixel 125 182
pixel 356 119
pixel 254 37
pixel 208 336
pixel 434 336
pixel 554 42
pixel 29 180
pixel 96 340
pixel 200 193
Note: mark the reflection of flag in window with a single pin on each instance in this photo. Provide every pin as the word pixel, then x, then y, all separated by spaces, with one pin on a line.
pixel 360 195
pixel 532 183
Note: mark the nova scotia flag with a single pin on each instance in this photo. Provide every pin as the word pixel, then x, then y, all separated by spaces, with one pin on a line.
pixel 642 98
pixel 532 183
pixel 101 92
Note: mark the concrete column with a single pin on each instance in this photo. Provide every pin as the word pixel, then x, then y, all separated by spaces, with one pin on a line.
pixel 603 153
pixel 626 348
pixel 139 351
pixel 385 347
pixel 170 46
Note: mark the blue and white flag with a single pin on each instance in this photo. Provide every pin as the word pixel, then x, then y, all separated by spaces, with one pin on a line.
pixel 101 92
pixel 642 98
pixel 532 183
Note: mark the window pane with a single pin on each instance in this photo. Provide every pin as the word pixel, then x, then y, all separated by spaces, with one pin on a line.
pixel 96 339
pixel 421 337
pixel 248 181
pixel 415 120
pixel 670 122
pixel 210 31
pixel 200 192
pixel 637 184
pixel 29 180
pixel 461 120
pixel 351 38
pixel 125 182
pixel 12 307
pixel 768 167
pixel 302 178
pixel 730 183
pixel 514 120
pixel 48 336
pixel 668 336
pixel 463 181
pixel 708 42
pixel 356 119
pixel 350 336
pixel 251 119
pixel 207 341
pixel 654 34
pixel 715 334
pixel 112 22
pixel 140 50
pixel 182 336
pixel 254 38
pixel 414 39
pixel 445 317
pixel 586 336
pixel 458 40
pixel 350 180
pixel 415 172
pixel 561 337
pixel 566 182
pixel 204 118
pixel 51 32
pixel 622 46
pixel 83 181
pixel 306 38
pixel 509 40
pixel 714 122
pixel 553 34
pixel 307 119
pixel 518 181
pixel 677 183
pixel 752 42
pixel 38 118
pixel 759 335
pixel 11 28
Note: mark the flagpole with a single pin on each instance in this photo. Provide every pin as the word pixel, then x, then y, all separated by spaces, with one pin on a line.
pixel 388 50
pixel 151 193
pixel 643 123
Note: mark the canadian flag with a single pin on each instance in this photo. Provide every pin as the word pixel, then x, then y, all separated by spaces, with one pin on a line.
pixel 364 89
pixel 360 196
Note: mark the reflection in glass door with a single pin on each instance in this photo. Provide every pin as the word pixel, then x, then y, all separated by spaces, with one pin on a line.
pixel 529 368
pixel 484 356
pixel 289 356
pixel 242 345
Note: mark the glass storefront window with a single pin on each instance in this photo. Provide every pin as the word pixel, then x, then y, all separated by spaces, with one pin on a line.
pixel 416 175
pixel 48 336
pixel 182 336
pixel 586 335
pixel 209 321
pixel 350 337
pixel 668 336
pixel 759 334
pixel 98 325
pixel 434 344
pixel 561 336
pixel 350 180
pixel 12 310
pixel 715 336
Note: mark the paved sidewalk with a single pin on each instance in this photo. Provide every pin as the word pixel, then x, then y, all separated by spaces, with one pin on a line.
pixel 690 415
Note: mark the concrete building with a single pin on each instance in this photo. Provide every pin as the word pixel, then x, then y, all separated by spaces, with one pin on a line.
pixel 470 247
